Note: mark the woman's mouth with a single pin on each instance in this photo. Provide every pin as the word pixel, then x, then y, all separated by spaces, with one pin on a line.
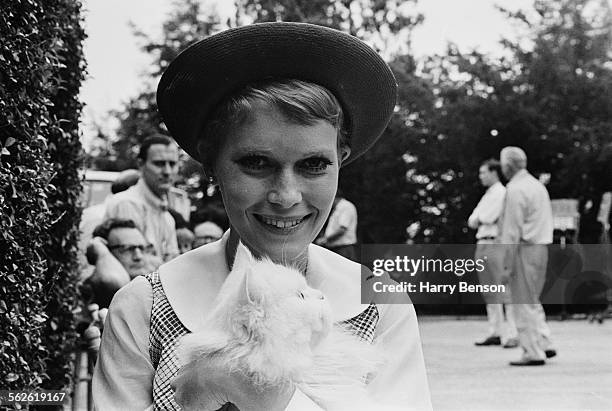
pixel 285 223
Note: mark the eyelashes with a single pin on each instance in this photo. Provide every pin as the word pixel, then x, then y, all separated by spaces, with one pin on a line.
pixel 253 162
pixel 316 164
pixel 258 163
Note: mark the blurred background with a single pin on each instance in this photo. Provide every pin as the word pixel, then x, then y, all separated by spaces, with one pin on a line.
pixel 474 76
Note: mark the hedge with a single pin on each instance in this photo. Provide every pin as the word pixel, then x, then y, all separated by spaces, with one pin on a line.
pixel 41 69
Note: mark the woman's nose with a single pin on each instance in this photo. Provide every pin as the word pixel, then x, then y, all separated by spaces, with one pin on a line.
pixel 286 191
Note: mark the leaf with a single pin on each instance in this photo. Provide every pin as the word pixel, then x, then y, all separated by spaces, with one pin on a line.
pixel 5 152
pixel 11 377
pixel 10 141
pixel 39 318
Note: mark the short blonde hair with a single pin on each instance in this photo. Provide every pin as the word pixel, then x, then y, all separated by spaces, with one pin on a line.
pixel 299 101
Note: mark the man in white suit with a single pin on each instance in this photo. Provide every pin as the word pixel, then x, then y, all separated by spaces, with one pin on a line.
pixel 485 219
pixel 527 229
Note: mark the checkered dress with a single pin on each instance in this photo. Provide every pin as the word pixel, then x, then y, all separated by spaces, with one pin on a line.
pixel 166 329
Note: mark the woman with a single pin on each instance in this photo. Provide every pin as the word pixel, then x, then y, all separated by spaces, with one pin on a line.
pixel 272 111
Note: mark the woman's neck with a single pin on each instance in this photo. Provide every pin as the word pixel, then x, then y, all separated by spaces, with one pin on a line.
pixel 301 261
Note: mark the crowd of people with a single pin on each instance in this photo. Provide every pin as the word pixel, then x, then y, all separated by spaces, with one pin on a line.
pixel 143 223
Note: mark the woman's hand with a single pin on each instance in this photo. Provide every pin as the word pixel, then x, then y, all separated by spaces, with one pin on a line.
pixel 205 384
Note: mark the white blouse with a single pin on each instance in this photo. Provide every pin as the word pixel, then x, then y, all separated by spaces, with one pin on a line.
pixel 123 377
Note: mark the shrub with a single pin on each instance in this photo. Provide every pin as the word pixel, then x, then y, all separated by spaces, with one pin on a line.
pixel 41 68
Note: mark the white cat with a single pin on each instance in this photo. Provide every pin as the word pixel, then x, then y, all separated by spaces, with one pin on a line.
pixel 268 323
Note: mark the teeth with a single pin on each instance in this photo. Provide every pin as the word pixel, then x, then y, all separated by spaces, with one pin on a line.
pixel 280 223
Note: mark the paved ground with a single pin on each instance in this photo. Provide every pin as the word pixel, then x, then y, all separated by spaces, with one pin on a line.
pixel 465 377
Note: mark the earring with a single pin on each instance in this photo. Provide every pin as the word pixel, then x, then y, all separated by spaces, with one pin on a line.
pixel 212 186
pixel 210 177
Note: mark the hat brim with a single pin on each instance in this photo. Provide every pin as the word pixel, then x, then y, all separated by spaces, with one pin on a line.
pixel 209 70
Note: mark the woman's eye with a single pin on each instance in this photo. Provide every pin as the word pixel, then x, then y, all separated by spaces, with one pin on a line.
pixel 253 162
pixel 301 295
pixel 316 164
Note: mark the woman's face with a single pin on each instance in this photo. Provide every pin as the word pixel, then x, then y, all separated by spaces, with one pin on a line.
pixel 278 180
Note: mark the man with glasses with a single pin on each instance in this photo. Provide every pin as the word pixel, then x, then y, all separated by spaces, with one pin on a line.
pixel 208 224
pixel 120 252
pixel 206 232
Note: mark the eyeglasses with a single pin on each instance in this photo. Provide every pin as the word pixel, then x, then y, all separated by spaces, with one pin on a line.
pixel 125 248
pixel 198 241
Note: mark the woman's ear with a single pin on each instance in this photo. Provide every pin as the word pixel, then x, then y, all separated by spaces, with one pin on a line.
pixel 345 152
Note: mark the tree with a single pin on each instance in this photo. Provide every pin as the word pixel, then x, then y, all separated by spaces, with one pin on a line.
pixel 385 25
pixel 570 87
pixel 552 98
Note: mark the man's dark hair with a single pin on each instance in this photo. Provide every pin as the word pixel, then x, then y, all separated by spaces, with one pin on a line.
pixel 149 141
pixel 125 180
pixel 179 220
pixel 494 165
pixel 104 229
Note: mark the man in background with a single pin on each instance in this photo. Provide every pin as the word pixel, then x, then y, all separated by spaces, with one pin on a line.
pixel 93 216
pixel 485 218
pixel 208 224
pixel 527 229
pixel 206 232
pixel 340 234
pixel 119 252
pixel 146 203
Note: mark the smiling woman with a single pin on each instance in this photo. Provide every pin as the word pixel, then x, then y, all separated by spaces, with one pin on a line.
pixel 272 111
pixel 290 169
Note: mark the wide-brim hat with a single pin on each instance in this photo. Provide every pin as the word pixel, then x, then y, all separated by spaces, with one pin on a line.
pixel 201 76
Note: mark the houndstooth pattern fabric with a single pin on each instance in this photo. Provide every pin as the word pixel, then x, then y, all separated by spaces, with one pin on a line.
pixel 364 325
pixel 166 329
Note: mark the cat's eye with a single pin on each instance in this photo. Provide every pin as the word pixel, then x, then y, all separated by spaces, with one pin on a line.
pixel 301 295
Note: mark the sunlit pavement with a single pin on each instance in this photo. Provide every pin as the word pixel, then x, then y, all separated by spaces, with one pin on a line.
pixel 463 376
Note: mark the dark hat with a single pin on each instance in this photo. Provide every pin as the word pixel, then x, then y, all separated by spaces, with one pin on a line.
pixel 209 70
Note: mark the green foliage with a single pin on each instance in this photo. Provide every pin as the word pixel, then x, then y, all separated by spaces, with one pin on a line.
pixel 40 74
